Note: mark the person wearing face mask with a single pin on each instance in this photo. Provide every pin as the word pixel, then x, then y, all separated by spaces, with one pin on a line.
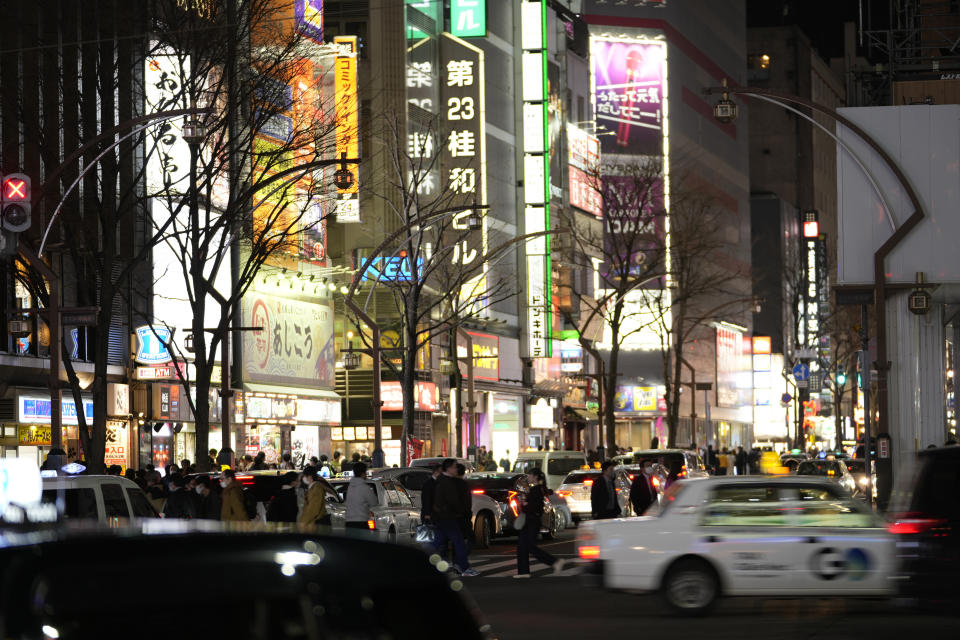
pixel 315 502
pixel 283 506
pixel 208 502
pixel 642 494
pixel 232 498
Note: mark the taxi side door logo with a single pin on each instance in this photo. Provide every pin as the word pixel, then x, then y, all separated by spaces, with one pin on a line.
pixel 828 563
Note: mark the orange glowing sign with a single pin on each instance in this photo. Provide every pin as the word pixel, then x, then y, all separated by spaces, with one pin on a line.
pixel 761 344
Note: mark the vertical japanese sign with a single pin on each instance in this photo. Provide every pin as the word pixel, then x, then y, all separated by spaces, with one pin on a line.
pixel 811 316
pixel 536 176
pixel 463 154
pixel 423 87
pixel 348 123
pixel 168 154
pixel 733 372
pixel 468 18
pixel 584 162
pixel 629 85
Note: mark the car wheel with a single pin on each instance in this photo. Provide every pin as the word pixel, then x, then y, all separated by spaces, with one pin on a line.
pixel 483 531
pixel 392 535
pixel 691 587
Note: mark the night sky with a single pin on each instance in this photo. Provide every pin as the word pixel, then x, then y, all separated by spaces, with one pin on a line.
pixel 821 20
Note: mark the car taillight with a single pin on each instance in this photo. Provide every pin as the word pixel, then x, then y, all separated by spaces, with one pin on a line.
pixel 244 480
pixel 372 525
pixel 514 505
pixel 478 492
pixel 632 476
pixel 564 493
pixel 588 483
pixel 683 472
pixel 589 552
pixel 911 525
pixel 655 481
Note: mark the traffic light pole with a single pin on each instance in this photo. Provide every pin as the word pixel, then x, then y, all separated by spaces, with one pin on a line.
pixel 53 323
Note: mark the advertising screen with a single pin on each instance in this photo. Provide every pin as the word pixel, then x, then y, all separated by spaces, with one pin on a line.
pixel 629 89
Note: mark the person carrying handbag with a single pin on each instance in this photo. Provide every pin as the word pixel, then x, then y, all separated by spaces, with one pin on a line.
pixel 532 515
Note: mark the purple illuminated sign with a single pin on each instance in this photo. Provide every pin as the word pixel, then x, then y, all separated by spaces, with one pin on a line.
pixel 309 17
pixel 629 79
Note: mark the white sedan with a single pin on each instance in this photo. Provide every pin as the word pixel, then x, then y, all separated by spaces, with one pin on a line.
pixel 744 536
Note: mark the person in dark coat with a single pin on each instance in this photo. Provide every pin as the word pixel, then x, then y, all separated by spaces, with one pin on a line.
pixel 283 506
pixel 179 504
pixel 741 462
pixel 448 513
pixel 208 501
pixel 532 506
pixel 427 492
pixel 642 493
pixel 603 495
pixel 466 500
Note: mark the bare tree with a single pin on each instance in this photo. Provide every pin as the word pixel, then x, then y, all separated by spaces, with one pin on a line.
pixel 237 189
pixel 703 284
pixel 630 251
pixel 445 278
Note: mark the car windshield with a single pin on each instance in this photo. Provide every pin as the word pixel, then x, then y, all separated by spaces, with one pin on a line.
pixel 579 478
pixel 493 483
pixel 819 468
pixel 522 465
pixel 559 466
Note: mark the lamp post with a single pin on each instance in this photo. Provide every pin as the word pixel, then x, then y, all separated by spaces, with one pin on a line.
pixel 471 403
pixel 352 361
pixel 879 290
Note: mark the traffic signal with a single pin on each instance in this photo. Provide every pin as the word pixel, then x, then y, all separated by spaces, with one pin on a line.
pixel 841 378
pixel 15 199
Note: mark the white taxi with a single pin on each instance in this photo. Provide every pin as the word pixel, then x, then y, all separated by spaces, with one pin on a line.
pixel 744 536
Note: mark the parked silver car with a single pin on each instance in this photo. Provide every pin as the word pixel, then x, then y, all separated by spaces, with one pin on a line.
pixel 394 518
pixel 99 498
pixel 576 488
pixel 486 523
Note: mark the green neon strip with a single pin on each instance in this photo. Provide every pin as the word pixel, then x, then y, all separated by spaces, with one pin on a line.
pixel 548 315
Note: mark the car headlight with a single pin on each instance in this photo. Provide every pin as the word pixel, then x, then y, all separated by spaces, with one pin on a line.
pixel 863 481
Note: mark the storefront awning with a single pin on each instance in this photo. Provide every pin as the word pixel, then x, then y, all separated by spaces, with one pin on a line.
pixel 584 414
pixel 300 392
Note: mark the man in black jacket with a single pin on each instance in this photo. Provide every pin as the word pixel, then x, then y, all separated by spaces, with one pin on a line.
pixel 603 495
pixel 642 494
pixel 427 492
pixel 448 514
pixel 179 504
pixel 283 506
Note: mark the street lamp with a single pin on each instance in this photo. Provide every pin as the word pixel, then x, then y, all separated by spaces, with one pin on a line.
pixel 351 361
pixel 725 110
pixel 343 177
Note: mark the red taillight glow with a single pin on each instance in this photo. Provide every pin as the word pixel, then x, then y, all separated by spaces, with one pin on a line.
pixel 655 481
pixel 564 493
pixel 913 526
pixel 372 525
pixel 589 552
pixel 514 505
pixel 478 492
pixel 632 476
pixel 588 482
pixel 244 480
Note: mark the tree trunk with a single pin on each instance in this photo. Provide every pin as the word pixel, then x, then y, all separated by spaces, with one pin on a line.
pixel 457 447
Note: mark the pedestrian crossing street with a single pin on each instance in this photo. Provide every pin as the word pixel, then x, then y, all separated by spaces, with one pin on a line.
pixel 505 566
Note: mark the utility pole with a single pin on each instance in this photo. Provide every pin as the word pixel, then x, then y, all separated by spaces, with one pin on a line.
pixel 471 403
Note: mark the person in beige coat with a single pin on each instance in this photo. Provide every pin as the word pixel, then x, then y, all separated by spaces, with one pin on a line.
pixel 232 498
pixel 315 506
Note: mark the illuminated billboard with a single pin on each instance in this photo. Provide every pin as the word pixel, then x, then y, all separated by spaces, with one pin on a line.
pixel 309 19
pixel 348 124
pixel 629 90
pixel 584 163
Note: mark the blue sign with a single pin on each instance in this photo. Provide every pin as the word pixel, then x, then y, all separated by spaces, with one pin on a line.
pixel 75 334
pixel 391 269
pixel 801 371
pixel 151 345
pixel 37 410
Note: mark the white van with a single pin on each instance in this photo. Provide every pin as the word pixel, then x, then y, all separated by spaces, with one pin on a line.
pixel 554 464
pixel 99 498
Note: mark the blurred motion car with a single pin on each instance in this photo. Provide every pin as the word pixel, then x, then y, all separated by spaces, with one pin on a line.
pixel 858 469
pixel 576 488
pixel 99 498
pixel 394 518
pixel 830 468
pixel 287 586
pixel 926 521
pixel 506 490
pixel 486 510
pixel 429 462
pixel 744 536
pixel 791 459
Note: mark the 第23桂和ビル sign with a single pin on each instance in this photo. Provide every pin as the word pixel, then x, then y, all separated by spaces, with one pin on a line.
pixel 151 345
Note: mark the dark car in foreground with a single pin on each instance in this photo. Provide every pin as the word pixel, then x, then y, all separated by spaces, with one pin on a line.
pixel 288 586
pixel 926 520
